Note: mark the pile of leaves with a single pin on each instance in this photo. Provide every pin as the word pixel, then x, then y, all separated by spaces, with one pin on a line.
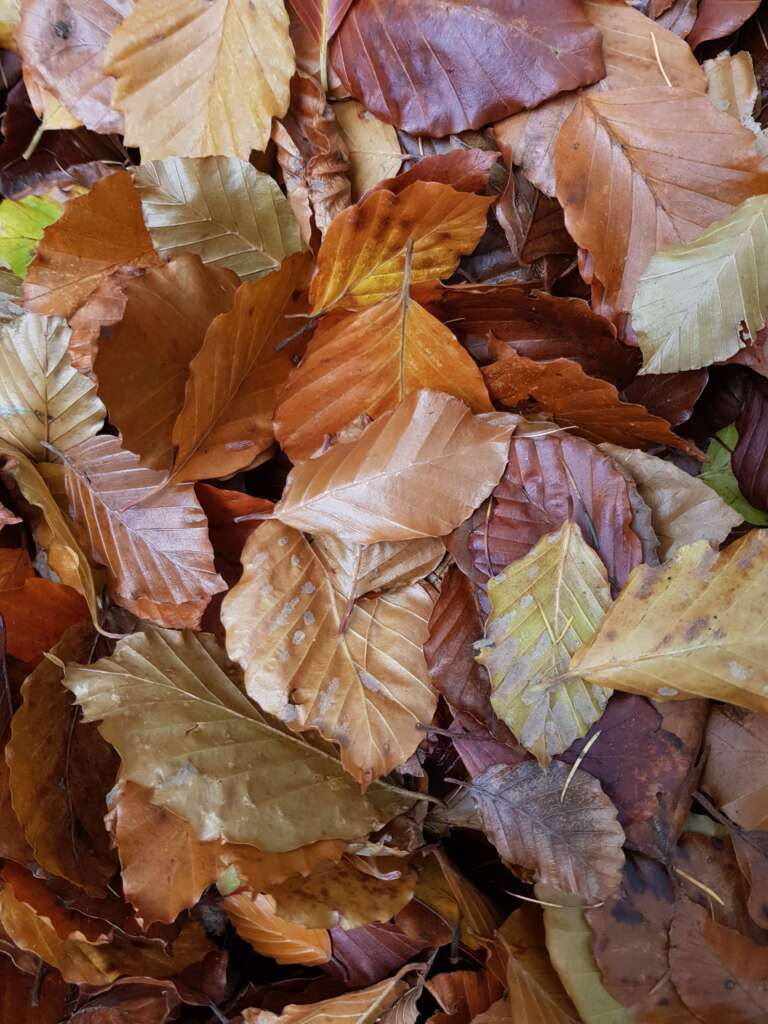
pixel 383 484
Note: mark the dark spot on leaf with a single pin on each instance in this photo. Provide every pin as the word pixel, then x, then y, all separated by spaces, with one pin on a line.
pixel 62 29
pixel 729 984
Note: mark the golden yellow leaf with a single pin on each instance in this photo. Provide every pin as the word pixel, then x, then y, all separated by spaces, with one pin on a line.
pixel 691 628
pixel 417 471
pixel 256 920
pixel 218 762
pixel 543 607
pixel 201 77
pixel 373 147
pixel 10 14
pixel 357 675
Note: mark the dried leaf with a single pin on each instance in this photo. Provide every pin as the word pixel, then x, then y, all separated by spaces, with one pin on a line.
pixel 97 234
pixel 732 86
pixel 373 147
pixel 221 208
pixel 37 615
pixel 689 623
pixel 735 769
pixel 263 762
pixel 152 539
pixel 466 170
pixel 672 396
pixel 543 607
pixel 718 18
pixel 21 227
pixel 572 841
pixel 358 490
pixel 363 1007
pixel 359 569
pixel 363 956
pixel 201 80
pixel 257 921
pixel 463 995
pixel 22 1003
pixel 749 460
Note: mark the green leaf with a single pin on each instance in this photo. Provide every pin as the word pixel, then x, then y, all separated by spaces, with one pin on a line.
pixel 22 225
pixel 718 474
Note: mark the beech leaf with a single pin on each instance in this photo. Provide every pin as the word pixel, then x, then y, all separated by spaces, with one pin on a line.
pixel 256 920
pixel 22 225
pixel 359 569
pixel 373 147
pixel 735 771
pixel 362 1007
pixel 718 474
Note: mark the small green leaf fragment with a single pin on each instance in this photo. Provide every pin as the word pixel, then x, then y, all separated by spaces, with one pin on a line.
pixel 22 225
pixel 718 474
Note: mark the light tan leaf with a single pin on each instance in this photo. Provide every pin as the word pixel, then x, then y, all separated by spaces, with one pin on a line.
pixel 219 763
pixel 365 364
pixel 221 208
pixel 52 529
pixel 362 1007
pixel 359 569
pixel 732 86
pixel 234 379
pixel 735 770
pixel 97 234
pixel 570 837
pixel 10 14
pixel 201 77
pixel 143 362
pixel 362 257
pixel 417 471
pixel 373 147
pixel 256 920
pixel 690 628
pixel 699 303
pixel 544 606
pixel 42 398
pixel 357 675
pixel 152 539
pixel 683 508
pixel 626 136
pixel 341 896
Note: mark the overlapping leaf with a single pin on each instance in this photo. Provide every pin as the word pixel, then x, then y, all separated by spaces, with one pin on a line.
pixel 256 920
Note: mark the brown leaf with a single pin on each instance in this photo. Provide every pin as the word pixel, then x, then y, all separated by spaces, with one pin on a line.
pixel 257 921
pixel 65 44
pixel 367 363
pixel 37 615
pixel 466 170
pixel 735 772
pixel 97 234
pixel 363 956
pixel 22 1003
pixel 359 569
pixel 572 842
pixel 591 406
pixel 718 18
pixel 143 362
pixel 15 568
pixel 225 421
pixel 153 540
pixel 140 1000
pixel 363 1007
pixel 705 864
pixel 749 460
pixel 394 58
pixel 362 256
pixel 463 995
pixel 357 490
pixel 60 773
pixel 669 395
pixel 103 308
pixel 635 132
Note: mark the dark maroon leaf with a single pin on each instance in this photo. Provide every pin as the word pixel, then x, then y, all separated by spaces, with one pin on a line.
pixel 466 170
pixel 701 863
pixel 479 748
pixel 669 395
pixel 366 955
pixel 750 457
pixel 718 18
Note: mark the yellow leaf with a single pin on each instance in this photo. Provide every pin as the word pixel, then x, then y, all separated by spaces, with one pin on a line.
pixel 691 628
pixel 543 607
pixel 201 77
pixel 373 147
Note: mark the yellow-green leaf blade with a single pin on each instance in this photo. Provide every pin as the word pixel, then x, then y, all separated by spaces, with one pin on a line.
pixel 22 225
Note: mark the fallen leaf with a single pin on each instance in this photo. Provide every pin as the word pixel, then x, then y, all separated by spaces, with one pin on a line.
pixel 152 539
pixel 636 131
pixel 368 362
pixel 204 80
pixel 683 507
pixel 24 1002
pixel 143 364
pixel 718 474
pixel 734 769
pixel 394 58
pixel 466 170
pixel 590 405
pixel 711 861
pixel 15 568
pixel 322 17
pixel 565 586
pixel 50 751
pixel 221 208
pixel 66 45
pixel 732 86
pixel 97 234
pixel 373 147
pixel 359 569
pixel 37 615
pixel 363 956
pixel 749 460
pixel 256 920
pixel 363 254
pixel 10 14
pixel 103 308
pixel 225 420
pixel 672 396
pixel 363 1007
pixel 267 763
pixel 22 225
pixel 687 623
pixel 355 674
pixel 358 490
pixel 463 995
pixel 572 841
pixel 751 850
pixel 42 398
pixel 718 18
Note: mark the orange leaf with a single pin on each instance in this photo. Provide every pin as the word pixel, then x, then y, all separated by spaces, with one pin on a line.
pixel 15 568
pixel 37 614
pixel 255 920
pixel 575 399
pixel 27 1000
pixel 96 234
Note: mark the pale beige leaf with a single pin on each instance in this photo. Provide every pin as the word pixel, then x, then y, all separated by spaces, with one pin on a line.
pixel 152 539
pixel 52 530
pixel 225 421
pixel 201 77
pixel 692 299
pixel 373 146
pixel 341 896
pixel 362 1007
pixel 683 508
pixel 691 628
pixel 359 569
pixel 182 727
pixel 543 607
pixel 362 683
pixel 10 14
pixel 732 87
pixel 221 208
pixel 42 398
pixel 417 471
pixel 257 921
